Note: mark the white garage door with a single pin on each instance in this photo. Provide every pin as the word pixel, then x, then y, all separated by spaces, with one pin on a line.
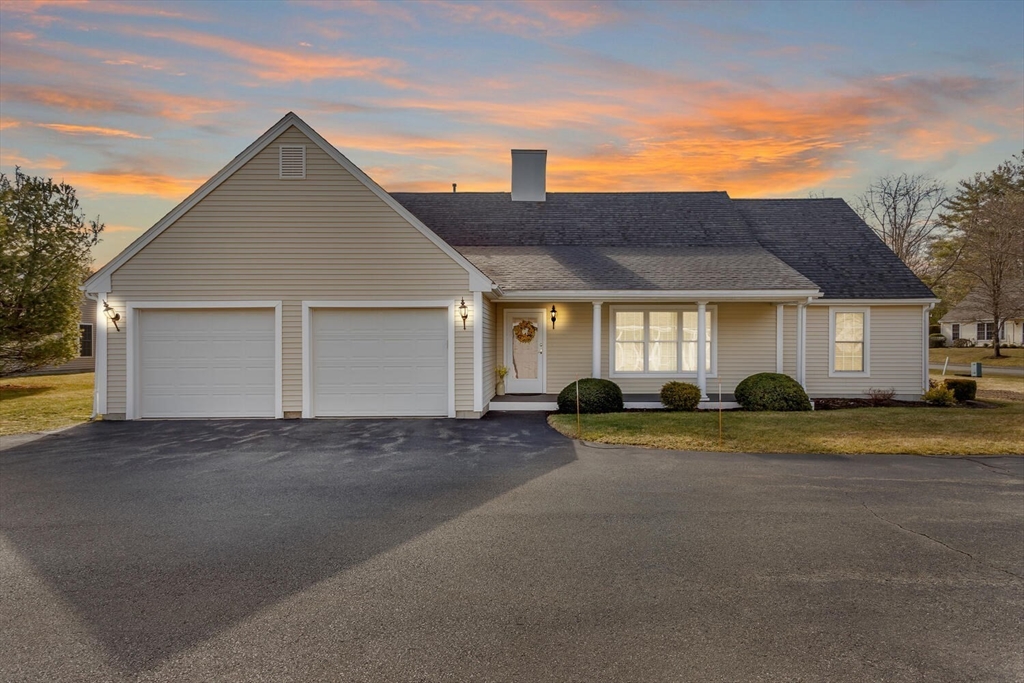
pixel 206 363
pixel 391 362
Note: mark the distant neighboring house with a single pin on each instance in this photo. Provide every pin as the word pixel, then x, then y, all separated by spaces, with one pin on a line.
pixel 86 360
pixel 970 320
pixel 292 285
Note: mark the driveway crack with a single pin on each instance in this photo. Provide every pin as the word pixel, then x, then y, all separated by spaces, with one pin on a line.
pixel 944 545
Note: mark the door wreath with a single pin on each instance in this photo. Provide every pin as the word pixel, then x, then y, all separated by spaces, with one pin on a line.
pixel 525 331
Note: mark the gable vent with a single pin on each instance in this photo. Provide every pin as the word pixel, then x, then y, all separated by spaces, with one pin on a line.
pixel 293 161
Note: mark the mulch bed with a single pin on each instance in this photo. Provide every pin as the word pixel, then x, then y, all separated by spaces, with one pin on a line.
pixel 843 403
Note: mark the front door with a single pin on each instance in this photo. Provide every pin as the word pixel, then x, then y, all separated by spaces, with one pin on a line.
pixel 524 351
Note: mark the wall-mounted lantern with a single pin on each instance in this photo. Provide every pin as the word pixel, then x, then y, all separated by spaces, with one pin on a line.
pixel 463 312
pixel 554 314
pixel 112 315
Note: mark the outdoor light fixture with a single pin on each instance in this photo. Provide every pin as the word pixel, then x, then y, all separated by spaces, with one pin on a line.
pixel 464 312
pixel 112 315
pixel 554 314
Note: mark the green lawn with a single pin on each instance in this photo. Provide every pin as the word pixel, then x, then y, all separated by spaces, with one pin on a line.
pixel 926 431
pixel 1014 357
pixel 43 402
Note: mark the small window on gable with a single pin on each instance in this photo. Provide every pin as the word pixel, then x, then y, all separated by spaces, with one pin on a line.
pixel 292 161
pixel 85 341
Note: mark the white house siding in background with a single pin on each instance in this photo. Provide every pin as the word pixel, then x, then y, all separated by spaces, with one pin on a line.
pixel 260 237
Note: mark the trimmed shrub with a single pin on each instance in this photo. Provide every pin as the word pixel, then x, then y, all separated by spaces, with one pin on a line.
pixel 939 396
pixel 936 341
pixel 963 344
pixel 771 391
pixel 680 396
pixel 596 396
pixel 963 389
pixel 934 329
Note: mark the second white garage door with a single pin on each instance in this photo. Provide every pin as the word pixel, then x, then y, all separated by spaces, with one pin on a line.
pixel 391 362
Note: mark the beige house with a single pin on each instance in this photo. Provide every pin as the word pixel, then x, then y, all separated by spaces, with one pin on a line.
pixel 86 360
pixel 292 285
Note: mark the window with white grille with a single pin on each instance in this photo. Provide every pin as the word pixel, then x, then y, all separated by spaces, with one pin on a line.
pixel 293 161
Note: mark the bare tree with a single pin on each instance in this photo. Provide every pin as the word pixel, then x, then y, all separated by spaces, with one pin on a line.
pixel 903 210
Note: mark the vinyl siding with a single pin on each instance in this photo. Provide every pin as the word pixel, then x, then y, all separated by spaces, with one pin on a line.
pixel 489 378
pixel 896 353
pixel 258 237
pixel 567 356
pixel 87 316
pixel 789 328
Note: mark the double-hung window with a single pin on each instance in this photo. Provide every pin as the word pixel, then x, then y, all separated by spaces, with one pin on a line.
pixel 849 342
pixel 659 341
pixel 954 331
pixel 986 331
pixel 85 341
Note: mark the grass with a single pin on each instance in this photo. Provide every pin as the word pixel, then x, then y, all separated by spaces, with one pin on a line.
pixel 43 402
pixel 924 431
pixel 1014 357
pixel 1008 388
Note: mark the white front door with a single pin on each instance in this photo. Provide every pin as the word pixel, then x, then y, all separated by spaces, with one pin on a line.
pixel 524 351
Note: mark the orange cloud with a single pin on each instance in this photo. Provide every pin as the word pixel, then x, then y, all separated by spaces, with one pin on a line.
pixel 540 18
pixel 134 183
pixel 70 129
pixel 289 65
pixel 151 103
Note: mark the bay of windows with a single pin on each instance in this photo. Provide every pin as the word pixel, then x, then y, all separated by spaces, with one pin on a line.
pixel 659 341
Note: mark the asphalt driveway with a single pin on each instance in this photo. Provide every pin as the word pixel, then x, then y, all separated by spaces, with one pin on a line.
pixel 497 550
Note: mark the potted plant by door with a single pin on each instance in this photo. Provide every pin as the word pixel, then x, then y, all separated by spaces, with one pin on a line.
pixel 501 371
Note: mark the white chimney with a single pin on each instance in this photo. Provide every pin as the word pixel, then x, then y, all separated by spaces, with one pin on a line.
pixel 529 170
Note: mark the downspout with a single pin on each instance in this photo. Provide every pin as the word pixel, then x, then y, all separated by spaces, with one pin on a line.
pixel 96 353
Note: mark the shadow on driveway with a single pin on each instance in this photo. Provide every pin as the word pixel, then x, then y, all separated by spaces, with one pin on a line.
pixel 161 534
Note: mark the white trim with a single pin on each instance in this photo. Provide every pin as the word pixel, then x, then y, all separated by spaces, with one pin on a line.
pixel 872 302
pixel 924 347
pixel 866 311
pixel 595 353
pixel 307 357
pixel 100 280
pixel 506 343
pixel 478 351
pixel 100 355
pixel 780 323
pixel 628 295
pixel 801 345
pixel 702 349
pixel 131 330
pixel 646 308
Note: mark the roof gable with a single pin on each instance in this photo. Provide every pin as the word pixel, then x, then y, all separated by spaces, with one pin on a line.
pixel 100 281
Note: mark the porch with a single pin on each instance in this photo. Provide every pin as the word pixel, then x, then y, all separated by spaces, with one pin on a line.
pixel 549 402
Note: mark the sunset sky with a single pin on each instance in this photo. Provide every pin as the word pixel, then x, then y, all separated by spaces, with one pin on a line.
pixel 137 104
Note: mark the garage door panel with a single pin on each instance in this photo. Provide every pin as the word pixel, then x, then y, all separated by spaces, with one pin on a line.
pixel 207 363
pixel 391 362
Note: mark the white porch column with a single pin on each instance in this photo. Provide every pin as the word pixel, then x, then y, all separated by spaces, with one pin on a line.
pixel 478 351
pixel 702 332
pixel 780 320
pixel 100 355
pixel 801 345
pixel 595 363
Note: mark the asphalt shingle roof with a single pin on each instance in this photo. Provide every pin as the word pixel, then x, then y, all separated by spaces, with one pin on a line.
pixel 624 268
pixel 825 240
pixel 666 240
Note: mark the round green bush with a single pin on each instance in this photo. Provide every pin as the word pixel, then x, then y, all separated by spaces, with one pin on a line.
pixel 680 396
pixel 771 391
pixel 596 396
pixel 963 343
pixel 936 341
pixel 963 389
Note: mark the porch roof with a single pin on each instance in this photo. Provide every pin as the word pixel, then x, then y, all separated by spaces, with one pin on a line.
pixel 581 268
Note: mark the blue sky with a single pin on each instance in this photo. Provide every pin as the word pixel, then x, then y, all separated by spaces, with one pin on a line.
pixel 136 104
